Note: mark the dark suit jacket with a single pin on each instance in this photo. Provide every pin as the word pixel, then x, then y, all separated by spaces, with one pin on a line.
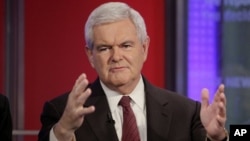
pixel 170 117
pixel 5 119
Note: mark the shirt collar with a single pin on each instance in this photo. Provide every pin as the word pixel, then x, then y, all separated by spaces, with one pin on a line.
pixel 137 95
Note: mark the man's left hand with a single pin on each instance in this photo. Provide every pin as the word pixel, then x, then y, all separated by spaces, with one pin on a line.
pixel 213 116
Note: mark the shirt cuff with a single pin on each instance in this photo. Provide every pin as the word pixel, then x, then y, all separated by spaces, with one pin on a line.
pixel 52 136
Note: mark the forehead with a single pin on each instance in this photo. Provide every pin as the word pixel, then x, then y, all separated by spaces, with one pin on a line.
pixel 119 29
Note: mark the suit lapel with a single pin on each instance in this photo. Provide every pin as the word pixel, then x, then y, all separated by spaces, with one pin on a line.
pixel 100 121
pixel 158 113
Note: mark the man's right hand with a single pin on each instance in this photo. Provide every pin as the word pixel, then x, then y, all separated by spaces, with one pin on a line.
pixel 73 115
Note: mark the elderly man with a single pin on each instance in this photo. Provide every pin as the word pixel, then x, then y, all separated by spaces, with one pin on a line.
pixel 121 105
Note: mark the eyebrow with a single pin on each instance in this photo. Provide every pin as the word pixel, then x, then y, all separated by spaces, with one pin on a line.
pixel 102 45
pixel 107 45
pixel 127 42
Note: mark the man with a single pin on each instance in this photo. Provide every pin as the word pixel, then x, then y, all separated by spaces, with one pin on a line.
pixel 5 119
pixel 117 47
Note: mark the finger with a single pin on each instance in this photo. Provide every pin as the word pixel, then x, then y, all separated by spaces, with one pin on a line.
pixel 223 98
pixel 222 93
pixel 204 98
pixel 221 88
pixel 218 92
pixel 82 111
pixel 88 110
pixel 84 96
pixel 75 88
pixel 222 109
pixel 80 78
pixel 81 86
pixel 221 121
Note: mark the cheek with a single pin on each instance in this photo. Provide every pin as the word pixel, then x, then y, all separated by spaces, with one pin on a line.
pixel 135 61
pixel 140 56
pixel 140 59
pixel 100 62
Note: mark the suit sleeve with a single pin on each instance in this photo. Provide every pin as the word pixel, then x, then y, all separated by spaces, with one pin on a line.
pixel 198 131
pixel 49 117
pixel 5 120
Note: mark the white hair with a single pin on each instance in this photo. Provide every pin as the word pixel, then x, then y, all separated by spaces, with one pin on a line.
pixel 112 12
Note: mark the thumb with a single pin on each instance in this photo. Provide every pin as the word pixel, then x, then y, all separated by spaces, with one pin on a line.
pixel 204 98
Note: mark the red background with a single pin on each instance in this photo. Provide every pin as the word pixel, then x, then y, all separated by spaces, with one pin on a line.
pixel 54 48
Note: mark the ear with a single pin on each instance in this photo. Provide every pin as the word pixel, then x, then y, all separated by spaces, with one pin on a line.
pixel 145 46
pixel 89 53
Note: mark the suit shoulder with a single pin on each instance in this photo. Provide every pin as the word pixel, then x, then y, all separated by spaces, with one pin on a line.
pixel 161 93
pixel 179 96
pixel 60 99
pixel 3 101
pixel 3 97
pixel 174 97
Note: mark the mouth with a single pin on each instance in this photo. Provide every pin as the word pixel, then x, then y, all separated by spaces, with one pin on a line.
pixel 116 69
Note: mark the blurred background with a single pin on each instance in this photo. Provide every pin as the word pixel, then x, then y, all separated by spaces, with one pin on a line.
pixel 194 44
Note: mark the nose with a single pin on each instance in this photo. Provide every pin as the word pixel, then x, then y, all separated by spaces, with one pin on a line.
pixel 116 54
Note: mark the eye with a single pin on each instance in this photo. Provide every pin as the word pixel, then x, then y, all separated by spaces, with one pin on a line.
pixel 126 45
pixel 103 48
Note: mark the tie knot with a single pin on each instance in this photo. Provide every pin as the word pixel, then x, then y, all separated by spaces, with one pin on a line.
pixel 125 101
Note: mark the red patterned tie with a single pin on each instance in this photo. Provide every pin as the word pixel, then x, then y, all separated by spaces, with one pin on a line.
pixel 129 130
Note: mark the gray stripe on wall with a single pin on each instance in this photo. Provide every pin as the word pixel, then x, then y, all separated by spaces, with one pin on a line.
pixel 14 65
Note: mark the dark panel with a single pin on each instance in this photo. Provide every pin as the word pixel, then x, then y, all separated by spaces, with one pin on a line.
pixel 170 51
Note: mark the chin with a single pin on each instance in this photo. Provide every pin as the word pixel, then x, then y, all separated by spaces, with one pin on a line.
pixel 119 82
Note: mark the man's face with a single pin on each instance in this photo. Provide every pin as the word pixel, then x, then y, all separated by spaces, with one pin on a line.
pixel 118 54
